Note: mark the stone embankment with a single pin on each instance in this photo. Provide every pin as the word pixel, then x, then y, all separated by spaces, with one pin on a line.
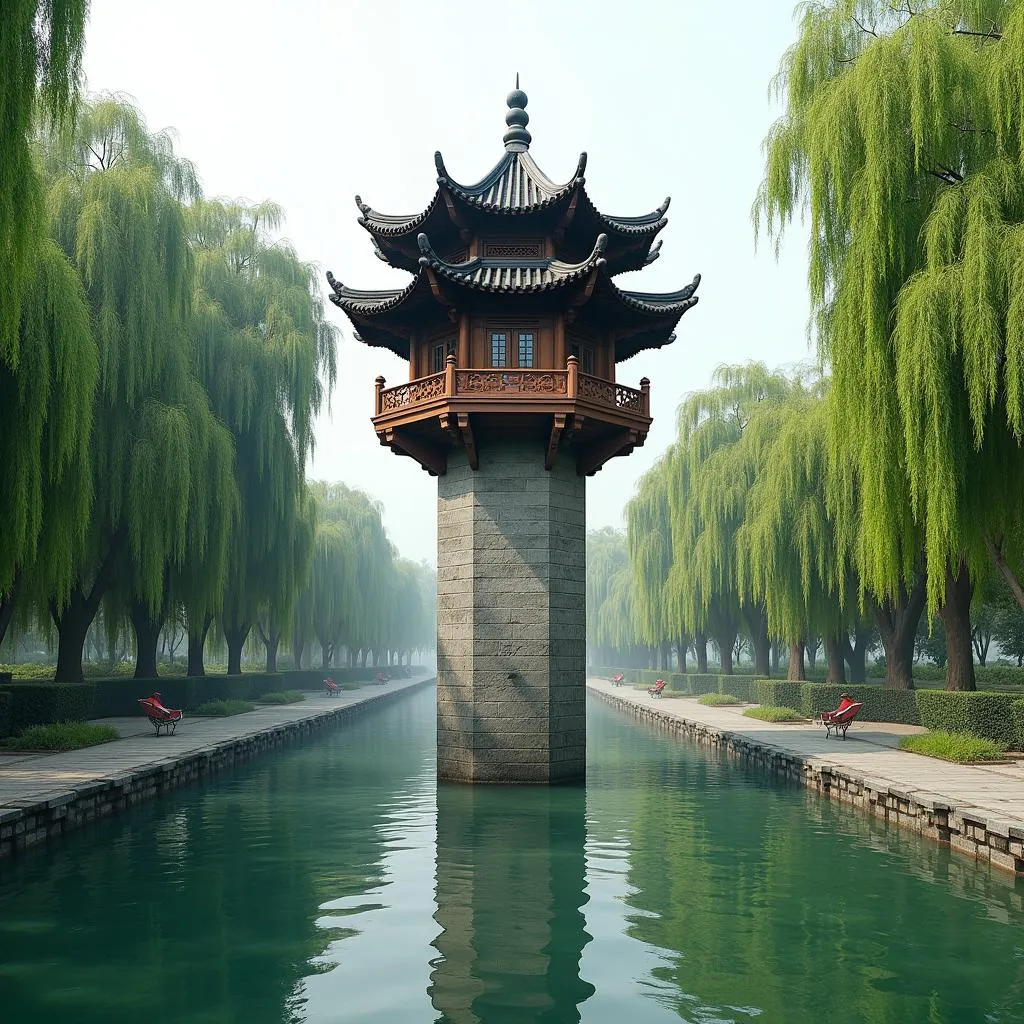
pixel 45 795
pixel 978 810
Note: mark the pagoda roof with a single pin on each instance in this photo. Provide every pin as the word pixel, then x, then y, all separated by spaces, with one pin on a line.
pixel 515 187
pixel 384 318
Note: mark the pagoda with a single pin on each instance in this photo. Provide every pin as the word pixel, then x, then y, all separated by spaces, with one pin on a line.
pixel 513 327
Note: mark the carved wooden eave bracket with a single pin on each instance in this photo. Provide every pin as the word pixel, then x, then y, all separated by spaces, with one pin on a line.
pixel 590 459
pixel 432 457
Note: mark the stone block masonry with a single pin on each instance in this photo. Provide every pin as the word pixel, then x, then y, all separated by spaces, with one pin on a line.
pixel 43 796
pixel 511 618
pixel 915 793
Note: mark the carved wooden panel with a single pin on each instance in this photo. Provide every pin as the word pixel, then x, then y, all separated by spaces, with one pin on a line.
pixel 410 394
pixel 529 382
pixel 525 249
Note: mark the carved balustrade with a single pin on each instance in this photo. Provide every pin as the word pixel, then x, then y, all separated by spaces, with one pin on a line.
pixel 508 383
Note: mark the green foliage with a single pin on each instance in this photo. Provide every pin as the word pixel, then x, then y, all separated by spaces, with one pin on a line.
pixel 767 713
pixel 981 713
pixel 775 693
pixel 28 704
pixel 41 56
pixel 282 697
pixel 62 736
pixel 1008 631
pixel 119 697
pixel 1018 719
pixel 961 747
pixel 716 700
pixel 224 708
pixel 881 703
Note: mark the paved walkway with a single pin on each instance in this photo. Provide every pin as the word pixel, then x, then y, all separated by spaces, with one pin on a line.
pixel 33 778
pixel 869 751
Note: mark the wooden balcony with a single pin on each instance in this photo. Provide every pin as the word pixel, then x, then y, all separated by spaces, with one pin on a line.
pixel 597 418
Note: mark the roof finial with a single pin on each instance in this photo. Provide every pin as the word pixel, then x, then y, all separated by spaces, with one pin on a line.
pixel 517 138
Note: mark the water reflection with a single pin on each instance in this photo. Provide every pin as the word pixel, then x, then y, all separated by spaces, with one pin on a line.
pixel 510 885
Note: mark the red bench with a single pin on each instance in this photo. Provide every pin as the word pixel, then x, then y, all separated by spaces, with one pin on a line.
pixel 382 679
pixel 657 689
pixel 161 717
pixel 619 680
pixel 841 719
pixel 331 688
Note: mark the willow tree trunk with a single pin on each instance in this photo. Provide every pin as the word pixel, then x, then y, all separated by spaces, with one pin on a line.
pixel 856 654
pixel 298 647
pixel 196 645
pixel 797 672
pixel 700 647
pixel 834 658
pixel 725 638
pixel 684 643
pixel 897 622
pixel 147 639
pixel 235 636
pixel 956 621
pixel 7 606
pixel 756 618
pixel 776 657
pixel 272 643
pixel 812 652
pixel 72 626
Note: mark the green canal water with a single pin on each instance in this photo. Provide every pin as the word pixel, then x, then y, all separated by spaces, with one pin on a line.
pixel 335 882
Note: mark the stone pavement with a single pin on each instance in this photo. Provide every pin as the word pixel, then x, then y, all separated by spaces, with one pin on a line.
pixel 966 805
pixel 43 794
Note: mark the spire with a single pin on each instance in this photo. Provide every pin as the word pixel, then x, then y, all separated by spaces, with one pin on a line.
pixel 517 138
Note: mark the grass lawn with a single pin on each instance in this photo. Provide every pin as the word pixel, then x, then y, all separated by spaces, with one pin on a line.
pixel 961 747
pixel 767 713
pixel 718 700
pixel 283 697
pixel 61 736
pixel 222 708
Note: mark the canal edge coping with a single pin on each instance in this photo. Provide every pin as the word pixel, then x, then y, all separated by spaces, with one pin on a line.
pixel 972 831
pixel 27 824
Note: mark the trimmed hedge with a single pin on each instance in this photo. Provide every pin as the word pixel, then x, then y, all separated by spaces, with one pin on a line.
pixel 778 693
pixel 881 704
pixel 26 704
pixel 990 715
pixel 119 697
pixel 1018 718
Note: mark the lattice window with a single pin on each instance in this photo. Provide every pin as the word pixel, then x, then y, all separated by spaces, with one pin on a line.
pixel 440 354
pixel 457 256
pixel 499 348
pixel 585 356
pixel 531 250
pixel 525 350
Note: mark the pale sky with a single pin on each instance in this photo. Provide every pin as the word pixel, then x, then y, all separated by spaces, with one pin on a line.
pixel 309 103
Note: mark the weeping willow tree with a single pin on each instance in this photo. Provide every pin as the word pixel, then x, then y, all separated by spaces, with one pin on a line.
pixel 356 593
pixel 41 57
pixel 709 481
pixel 266 356
pixel 649 540
pixel 46 409
pixel 902 140
pixel 787 555
pixel 115 206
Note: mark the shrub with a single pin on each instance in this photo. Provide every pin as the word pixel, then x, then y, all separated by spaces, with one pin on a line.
pixel 881 704
pixel 778 693
pixel 62 736
pixel 961 747
pixel 119 697
pixel 744 688
pixel 716 700
pixel 767 713
pixel 1018 720
pixel 999 676
pixel 28 704
pixel 989 715
pixel 283 697
pixel 702 682
pixel 223 708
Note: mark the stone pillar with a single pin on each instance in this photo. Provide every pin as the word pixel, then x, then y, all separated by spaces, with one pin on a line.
pixel 511 618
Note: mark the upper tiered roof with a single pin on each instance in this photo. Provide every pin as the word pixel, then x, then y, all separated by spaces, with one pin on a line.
pixel 515 187
pixel 591 248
